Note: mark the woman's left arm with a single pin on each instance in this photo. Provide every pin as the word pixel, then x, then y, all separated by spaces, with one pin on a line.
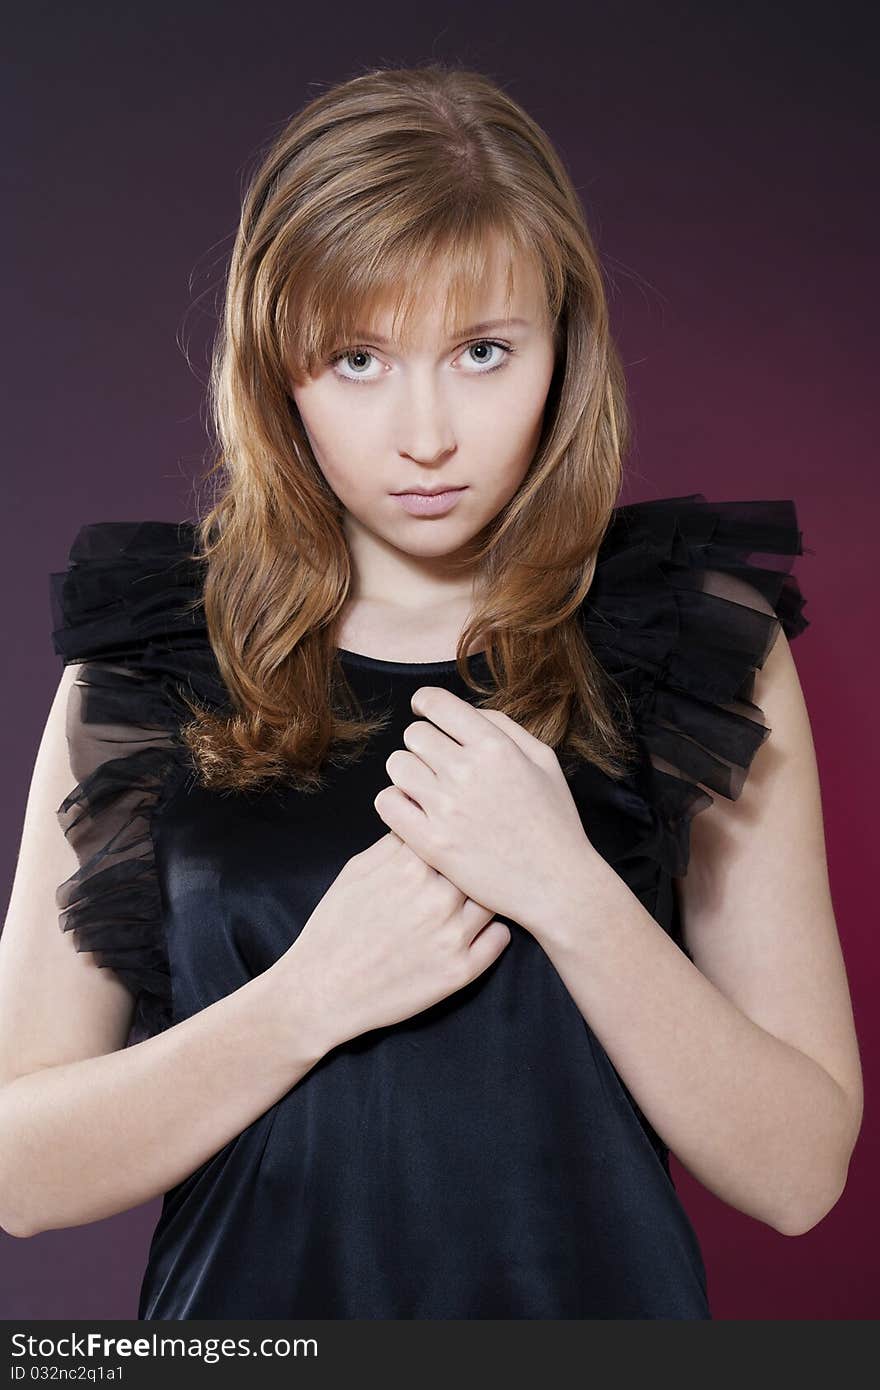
pixel 745 1061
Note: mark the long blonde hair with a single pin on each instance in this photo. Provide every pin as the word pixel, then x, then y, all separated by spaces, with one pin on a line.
pixel 371 191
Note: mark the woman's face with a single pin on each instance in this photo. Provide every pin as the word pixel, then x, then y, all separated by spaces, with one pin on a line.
pixel 462 413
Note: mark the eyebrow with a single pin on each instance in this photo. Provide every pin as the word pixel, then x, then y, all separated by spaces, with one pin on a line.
pixel 484 327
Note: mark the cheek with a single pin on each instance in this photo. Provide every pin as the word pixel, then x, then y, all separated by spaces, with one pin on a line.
pixel 509 450
pixel 338 450
pixel 343 475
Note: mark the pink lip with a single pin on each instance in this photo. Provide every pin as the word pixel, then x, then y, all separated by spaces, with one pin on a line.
pixel 429 503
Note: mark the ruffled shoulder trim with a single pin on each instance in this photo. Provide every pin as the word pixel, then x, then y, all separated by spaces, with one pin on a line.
pixel 686 603
pixel 128 608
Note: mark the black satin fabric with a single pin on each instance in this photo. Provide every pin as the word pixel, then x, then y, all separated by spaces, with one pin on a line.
pixel 482 1159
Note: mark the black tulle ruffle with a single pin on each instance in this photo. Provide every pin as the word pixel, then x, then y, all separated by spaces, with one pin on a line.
pixel 687 600
pixel 123 609
pixel 686 603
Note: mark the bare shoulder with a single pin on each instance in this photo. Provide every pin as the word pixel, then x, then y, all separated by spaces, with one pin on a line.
pixel 56 1004
pixel 757 910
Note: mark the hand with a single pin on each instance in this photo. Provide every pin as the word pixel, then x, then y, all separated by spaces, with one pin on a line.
pixel 485 803
pixel 388 939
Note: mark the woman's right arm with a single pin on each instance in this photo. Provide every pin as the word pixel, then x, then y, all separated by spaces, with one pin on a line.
pixel 89 1127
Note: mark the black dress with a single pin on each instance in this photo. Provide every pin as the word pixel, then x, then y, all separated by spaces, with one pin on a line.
pixel 482 1159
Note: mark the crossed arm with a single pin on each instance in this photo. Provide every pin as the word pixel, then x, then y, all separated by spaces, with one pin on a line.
pixel 746 1060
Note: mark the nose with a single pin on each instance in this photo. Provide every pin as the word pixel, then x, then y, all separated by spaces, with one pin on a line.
pixel 424 428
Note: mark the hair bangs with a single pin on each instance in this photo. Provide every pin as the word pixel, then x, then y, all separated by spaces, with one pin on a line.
pixel 450 263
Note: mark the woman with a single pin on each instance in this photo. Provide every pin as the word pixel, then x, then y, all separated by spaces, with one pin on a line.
pixel 383 853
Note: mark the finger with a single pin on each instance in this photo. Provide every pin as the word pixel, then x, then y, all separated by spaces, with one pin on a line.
pixel 533 747
pixel 404 817
pixel 456 717
pixel 411 775
pixel 475 914
pixel 432 745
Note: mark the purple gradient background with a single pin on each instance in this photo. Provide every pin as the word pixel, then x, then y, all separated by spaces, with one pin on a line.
pixel 723 163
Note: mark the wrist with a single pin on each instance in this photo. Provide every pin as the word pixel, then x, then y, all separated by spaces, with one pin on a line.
pixel 303 1022
pixel 576 900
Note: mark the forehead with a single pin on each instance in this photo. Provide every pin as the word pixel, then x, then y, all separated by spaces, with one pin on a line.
pixel 418 296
